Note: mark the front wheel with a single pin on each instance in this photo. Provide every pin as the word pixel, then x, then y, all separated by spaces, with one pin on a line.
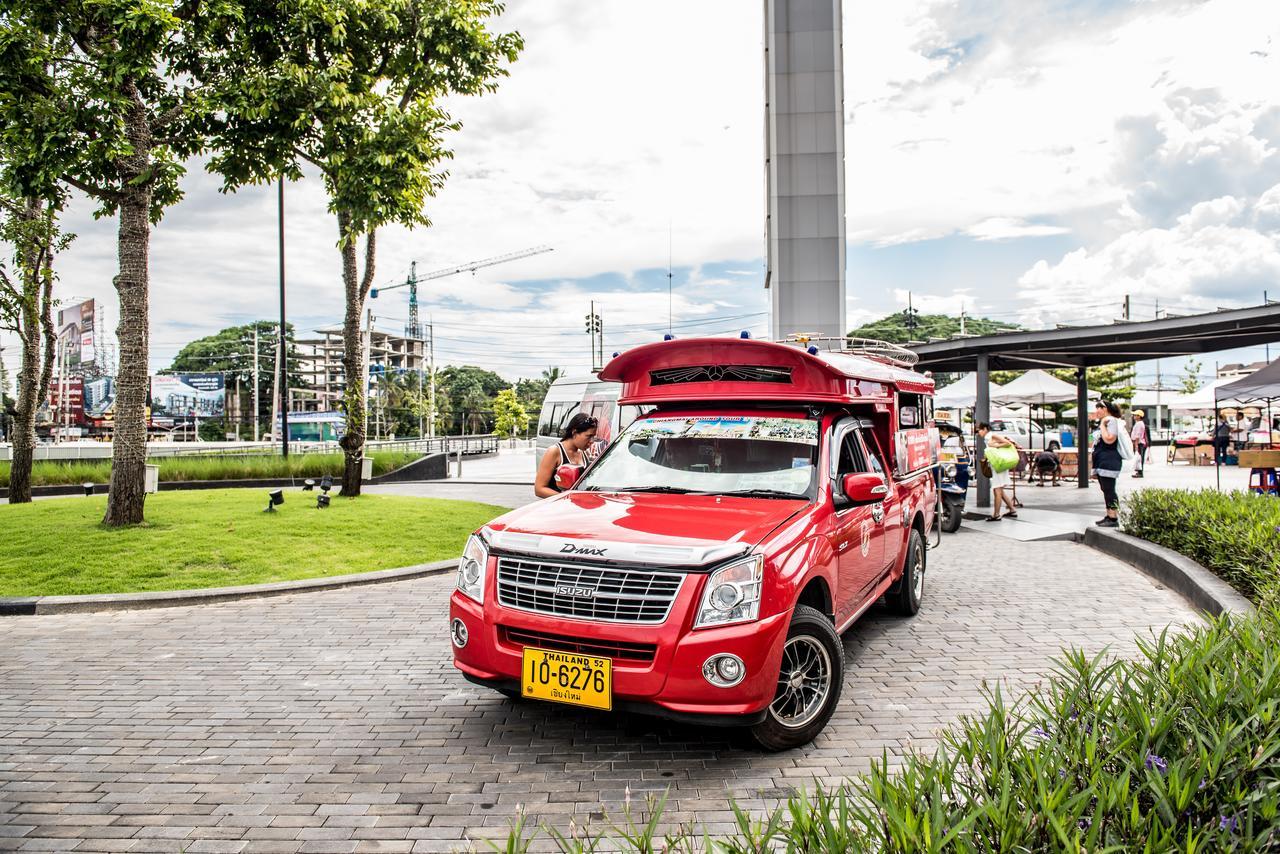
pixel 904 598
pixel 809 683
pixel 951 516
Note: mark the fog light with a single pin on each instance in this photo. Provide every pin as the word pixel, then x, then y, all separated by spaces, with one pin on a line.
pixel 458 631
pixel 724 670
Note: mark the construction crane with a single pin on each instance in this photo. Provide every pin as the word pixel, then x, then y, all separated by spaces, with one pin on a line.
pixel 413 329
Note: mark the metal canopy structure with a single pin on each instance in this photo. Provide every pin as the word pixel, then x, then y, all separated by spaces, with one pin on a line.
pixel 1083 347
pixel 1090 346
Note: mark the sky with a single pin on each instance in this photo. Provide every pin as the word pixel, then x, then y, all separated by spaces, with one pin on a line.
pixel 1028 160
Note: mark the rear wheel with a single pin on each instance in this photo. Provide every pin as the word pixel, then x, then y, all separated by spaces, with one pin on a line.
pixel 809 683
pixel 904 598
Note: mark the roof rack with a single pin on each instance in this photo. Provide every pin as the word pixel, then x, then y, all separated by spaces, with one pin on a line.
pixel 871 348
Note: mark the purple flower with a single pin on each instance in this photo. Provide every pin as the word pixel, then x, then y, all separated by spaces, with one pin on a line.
pixel 1085 823
pixel 1156 763
pixel 1204 784
pixel 1040 733
pixel 1227 823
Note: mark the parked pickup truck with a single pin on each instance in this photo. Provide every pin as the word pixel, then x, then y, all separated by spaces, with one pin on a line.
pixel 705 566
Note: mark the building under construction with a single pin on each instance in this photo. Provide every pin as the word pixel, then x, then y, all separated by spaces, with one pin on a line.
pixel 320 365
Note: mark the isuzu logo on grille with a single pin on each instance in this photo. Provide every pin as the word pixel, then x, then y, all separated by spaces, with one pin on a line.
pixel 575 592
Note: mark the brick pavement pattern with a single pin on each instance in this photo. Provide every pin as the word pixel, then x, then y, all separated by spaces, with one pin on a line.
pixel 334 722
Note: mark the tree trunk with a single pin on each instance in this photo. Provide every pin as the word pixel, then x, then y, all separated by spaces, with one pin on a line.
pixel 35 327
pixel 356 288
pixel 129 445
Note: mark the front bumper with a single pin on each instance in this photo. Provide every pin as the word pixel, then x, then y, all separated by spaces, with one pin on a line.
pixel 671 685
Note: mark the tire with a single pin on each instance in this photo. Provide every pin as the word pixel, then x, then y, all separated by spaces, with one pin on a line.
pixel 904 597
pixel 951 517
pixel 811 643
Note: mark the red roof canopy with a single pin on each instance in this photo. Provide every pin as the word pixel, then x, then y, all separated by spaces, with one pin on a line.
pixel 699 369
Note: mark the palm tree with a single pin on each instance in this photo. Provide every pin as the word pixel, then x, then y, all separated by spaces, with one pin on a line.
pixel 550 375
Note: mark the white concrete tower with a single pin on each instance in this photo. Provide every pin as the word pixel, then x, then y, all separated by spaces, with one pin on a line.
pixel 804 165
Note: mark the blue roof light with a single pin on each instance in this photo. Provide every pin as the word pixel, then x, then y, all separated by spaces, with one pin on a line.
pixel 616 355
pixel 812 351
pixel 744 334
pixel 668 337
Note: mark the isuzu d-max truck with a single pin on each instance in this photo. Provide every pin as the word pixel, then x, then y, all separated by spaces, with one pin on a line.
pixel 705 566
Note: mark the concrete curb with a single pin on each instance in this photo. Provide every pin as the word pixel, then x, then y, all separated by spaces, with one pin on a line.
pixel 1179 573
pixel 43 605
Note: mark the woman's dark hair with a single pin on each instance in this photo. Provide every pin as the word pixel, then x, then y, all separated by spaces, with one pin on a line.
pixel 982 425
pixel 580 423
pixel 1113 408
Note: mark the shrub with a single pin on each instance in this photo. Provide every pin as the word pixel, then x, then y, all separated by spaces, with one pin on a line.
pixel 214 467
pixel 1178 749
pixel 1235 535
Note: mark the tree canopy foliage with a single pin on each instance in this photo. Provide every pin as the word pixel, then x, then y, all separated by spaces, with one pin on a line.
pixel 906 325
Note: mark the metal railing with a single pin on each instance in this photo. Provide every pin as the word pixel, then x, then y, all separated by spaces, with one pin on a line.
pixel 70 451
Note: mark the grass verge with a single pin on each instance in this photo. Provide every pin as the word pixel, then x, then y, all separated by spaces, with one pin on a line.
pixel 222 537
pixel 55 473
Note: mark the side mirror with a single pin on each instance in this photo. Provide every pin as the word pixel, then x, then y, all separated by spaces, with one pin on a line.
pixel 567 476
pixel 864 488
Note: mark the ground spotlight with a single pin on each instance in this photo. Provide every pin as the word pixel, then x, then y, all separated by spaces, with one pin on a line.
pixel 326 483
pixel 88 488
pixel 322 501
pixel 308 485
pixel 274 498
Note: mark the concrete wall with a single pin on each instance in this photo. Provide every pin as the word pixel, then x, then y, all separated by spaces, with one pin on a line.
pixel 804 153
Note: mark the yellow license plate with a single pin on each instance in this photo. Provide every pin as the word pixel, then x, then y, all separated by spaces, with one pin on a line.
pixel 566 677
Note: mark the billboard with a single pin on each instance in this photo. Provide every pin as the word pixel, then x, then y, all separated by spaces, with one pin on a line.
pixel 76 332
pixel 189 395
pixel 66 401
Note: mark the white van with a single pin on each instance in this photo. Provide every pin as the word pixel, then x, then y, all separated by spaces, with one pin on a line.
pixel 570 395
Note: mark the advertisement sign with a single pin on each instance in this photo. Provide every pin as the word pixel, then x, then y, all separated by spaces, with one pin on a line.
pixel 188 395
pixel 76 332
pixel 66 400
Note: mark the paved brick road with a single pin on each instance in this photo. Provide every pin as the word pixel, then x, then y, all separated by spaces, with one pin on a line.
pixel 334 722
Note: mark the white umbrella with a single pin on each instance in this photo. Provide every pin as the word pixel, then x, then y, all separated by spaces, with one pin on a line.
pixel 962 394
pixel 1036 386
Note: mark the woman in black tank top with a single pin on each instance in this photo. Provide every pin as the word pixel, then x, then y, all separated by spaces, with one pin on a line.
pixel 570 450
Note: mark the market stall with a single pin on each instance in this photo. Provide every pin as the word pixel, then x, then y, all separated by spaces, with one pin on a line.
pixel 1261 388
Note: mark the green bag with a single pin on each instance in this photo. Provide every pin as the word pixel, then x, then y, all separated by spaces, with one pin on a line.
pixel 1002 459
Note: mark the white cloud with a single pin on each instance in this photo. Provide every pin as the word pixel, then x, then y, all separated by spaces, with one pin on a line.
pixel 1005 228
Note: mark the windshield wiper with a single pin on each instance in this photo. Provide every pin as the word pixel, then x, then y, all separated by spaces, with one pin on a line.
pixel 674 490
pixel 761 493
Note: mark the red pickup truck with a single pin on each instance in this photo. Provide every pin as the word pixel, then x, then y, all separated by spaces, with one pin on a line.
pixel 705 566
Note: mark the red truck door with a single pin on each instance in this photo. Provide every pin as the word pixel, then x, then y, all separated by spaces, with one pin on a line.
pixel 858 532
pixel 889 518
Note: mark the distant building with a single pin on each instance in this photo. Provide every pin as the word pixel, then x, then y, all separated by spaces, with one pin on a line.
pixel 320 364
pixel 1238 369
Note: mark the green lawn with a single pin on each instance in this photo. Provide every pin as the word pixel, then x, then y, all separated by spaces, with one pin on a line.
pixel 222 537
pixel 211 467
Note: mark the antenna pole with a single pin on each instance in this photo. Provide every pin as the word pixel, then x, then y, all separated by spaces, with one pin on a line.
pixel 669 290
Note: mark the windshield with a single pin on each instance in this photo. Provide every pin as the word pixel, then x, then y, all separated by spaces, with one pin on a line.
pixel 769 457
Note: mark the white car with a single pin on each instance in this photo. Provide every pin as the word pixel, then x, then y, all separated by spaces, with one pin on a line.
pixel 1016 431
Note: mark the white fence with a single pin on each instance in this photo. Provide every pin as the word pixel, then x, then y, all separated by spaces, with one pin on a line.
pixel 67 451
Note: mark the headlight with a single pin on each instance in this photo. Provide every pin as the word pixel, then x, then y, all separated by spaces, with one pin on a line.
pixel 732 594
pixel 949 471
pixel 475 557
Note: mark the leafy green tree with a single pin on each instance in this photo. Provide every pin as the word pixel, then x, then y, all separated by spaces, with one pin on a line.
pixel 354 88
pixel 531 394
pixel 469 389
pixel 1190 382
pixel 29 225
pixel 107 96
pixel 550 375
pixel 509 417
pixel 904 326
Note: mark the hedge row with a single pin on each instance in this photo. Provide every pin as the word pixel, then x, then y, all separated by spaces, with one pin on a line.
pixel 1235 535
pixel 1177 750
pixel 174 469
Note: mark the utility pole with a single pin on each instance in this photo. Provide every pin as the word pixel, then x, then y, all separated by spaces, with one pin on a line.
pixel 669 289
pixel 255 381
pixel 275 389
pixel 595 330
pixel 962 320
pixel 1126 306
pixel 431 329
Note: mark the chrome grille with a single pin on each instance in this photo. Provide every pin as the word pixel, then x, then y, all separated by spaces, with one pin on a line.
pixel 616 595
